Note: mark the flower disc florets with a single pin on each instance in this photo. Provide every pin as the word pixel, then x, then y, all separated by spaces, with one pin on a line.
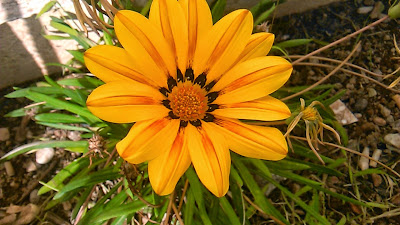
pixel 188 101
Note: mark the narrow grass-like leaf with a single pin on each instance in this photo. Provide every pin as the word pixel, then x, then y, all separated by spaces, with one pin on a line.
pixel 368 171
pixel 121 210
pixel 55 37
pixel 57 181
pixel 90 179
pixel 260 7
pixel 46 8
pixel 189 208
pixel 78 55
pixel 24 92
pixel 307 153
pixel 58 118
pixel 145 10
pixel 293 43
pixel 84 82
pixel 264 15
pixel 81 200
pixel 196 189
pixel 255 190
pixel 73 69
pixel 218 9
pixel 16 113
pixel 60 104
pixel 42 144
pixel 299 202
pixel 228 210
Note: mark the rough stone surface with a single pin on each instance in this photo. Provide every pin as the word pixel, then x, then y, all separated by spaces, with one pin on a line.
pixel 393 139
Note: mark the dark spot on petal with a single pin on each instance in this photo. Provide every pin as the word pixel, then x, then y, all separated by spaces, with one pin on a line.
pixel 179 76
pixel 166 102
pixel 209 117
pixel 172 115
pixel 183 123
pixel 212 107
pixel 210 85
pixel 171 83
pixel 189 76
pixel 164 91
pixel 196 123
pixel 201 80
pixel 212 96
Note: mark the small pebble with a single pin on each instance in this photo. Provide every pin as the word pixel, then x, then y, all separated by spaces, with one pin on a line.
pixel 34 197
pixel 384 110
pixel 30 166
pixel 375 155
pixel 361 104
pixel 379 121
pixel 10 219
pixel 363 162
pixel 393 139
pixel 74 135
pixel 44 155
pixel 396 199
pixel 4 134
pixel 364 9
pixel 371 92
pixel 9 168
pixel 67 206
pixel 376 12
pixel 376 179
pixel 396 98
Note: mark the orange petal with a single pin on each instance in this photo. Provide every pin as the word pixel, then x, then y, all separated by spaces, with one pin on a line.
pixel 169 18
pixel 266 108
pixel 145 43
pixel 259 45
pixel 210 157
pixel 126 102
pixel 148 139
pixel 253 141
pixel 199 21
pixel 110 63
pixel 166 169
pixel 252 79
pixel 220 47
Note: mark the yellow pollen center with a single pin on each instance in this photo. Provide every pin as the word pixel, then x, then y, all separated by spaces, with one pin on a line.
pixel 309 113
pixel 188 101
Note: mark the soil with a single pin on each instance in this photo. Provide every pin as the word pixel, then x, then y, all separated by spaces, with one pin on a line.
pixel 372 104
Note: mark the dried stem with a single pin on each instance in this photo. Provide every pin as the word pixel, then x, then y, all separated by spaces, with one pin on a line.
pixel 341 40
pixel 325 78
pixel 352 151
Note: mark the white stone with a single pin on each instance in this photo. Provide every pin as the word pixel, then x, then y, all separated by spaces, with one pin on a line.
pixel 393 139
pixel 342 113
pixel 44 155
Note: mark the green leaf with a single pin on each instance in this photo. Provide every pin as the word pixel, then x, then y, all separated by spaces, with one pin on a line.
pixel 90 179
pixel 299 202
pixel 63 27
pixel 64 127
pixel 71 68
pixel 368 171
pixel 58 118
pixel 55 37
pixel 264 15
pixel 78 55
pixel 42 144
pixel 195 188
pixel 117 211
pixel 217 10
pixel 230 213
pixel 189 208
pixel 84 82
pixel 16 113
pixel 293 43
pixel 24 92
pixel 46 8
pixel 255 190
pixel 260 7
pixel 56 182
pixel 61 104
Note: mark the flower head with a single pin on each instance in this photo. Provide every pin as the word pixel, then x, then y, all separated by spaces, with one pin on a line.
pixel 185 83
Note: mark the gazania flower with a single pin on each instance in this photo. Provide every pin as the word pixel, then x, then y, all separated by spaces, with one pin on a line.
pixel 185 83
